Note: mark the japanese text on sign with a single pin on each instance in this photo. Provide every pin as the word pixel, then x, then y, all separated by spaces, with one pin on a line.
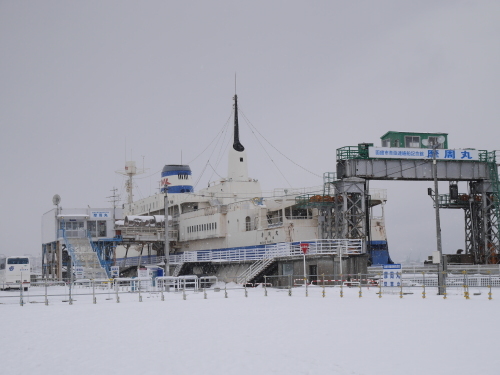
pixel 392 275
pixel 100 214
pixel 421 153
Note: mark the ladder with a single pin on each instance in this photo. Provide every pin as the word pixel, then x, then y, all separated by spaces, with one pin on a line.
pixel 254 269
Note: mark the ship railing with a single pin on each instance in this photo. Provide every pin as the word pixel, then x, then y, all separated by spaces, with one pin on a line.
pixel 278 250
pixel 282 192
pixel 284 249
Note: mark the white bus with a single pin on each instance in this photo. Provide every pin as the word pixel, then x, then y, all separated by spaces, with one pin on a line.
pixel 15 272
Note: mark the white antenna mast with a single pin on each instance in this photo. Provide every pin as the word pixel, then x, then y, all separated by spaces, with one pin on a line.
pixel 130 171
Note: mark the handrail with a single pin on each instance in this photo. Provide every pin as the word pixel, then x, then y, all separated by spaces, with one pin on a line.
pixel 282 249
pixel 106 266
pixel 71 250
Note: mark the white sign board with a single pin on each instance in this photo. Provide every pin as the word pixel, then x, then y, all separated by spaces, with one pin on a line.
pixel 100 214
pixel 142 272
pixel 115 271
pixel 421 153
pixel 392 275
pixel 79 272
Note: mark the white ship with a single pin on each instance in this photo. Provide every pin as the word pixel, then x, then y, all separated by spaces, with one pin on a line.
pixel 232 218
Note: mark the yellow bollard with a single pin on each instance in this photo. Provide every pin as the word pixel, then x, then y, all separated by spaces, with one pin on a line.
pixel 489 286
pixel 341 286
pixel 466 287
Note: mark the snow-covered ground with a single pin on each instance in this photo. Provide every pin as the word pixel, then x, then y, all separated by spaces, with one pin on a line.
pixel 258 334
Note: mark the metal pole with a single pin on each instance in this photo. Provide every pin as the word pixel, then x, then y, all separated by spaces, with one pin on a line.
pixel 161 289
pixel 305 274
pixel 166 247
pixel 46 299
pixel 423 284
pixel 116 289
pixel 139 288
pixel 70 281
pixel 21 301
pixel 265 286
pixel 323 285
pixel 441 275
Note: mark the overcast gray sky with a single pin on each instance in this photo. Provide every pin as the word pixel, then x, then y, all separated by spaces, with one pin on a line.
pixel 82 82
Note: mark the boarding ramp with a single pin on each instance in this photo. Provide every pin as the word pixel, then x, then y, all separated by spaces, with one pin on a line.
pixel 84 257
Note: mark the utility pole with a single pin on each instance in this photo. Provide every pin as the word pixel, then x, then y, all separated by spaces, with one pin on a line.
pixel 441 269
pixel 113 199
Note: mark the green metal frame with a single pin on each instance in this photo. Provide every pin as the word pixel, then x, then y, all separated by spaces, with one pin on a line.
pixel 351 152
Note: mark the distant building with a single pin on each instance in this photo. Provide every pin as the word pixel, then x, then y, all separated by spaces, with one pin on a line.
pixel 96 223
pixel 412 140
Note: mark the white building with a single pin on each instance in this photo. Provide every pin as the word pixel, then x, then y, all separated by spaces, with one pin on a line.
pixel 59 223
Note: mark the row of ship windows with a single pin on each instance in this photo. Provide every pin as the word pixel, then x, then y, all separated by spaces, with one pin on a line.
pixel 201 227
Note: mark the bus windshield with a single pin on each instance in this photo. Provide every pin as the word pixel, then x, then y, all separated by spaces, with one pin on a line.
pixel 17 261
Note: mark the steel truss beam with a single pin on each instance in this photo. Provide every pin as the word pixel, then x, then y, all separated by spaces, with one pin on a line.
pixel 350 213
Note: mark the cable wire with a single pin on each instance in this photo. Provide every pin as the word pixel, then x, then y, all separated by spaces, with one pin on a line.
pixel 286 157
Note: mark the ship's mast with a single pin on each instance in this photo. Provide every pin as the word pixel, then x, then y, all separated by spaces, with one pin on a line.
pixel 236 143
pixel 237 166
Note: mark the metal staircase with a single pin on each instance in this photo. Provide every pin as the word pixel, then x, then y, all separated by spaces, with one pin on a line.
pixel 83 255
pixel 254 270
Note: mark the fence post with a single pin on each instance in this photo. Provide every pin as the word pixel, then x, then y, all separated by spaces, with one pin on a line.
pixel 21 301
pixel 444 285
pixel 265 286
pixel 289 285
pixel 184 293
pixel 400 284
pixel 465 284
pixel 204 293
pixel 341 284
pixel 46 299
pixel 94 300
pixel 70 296
pixel 139 288
pixel 423 284
pixel 117 296
pixel 359 280
pixel 380 285
pixel 489 279
pixel 246 292
pixel 161 290
pixel 307 290
pixel 323 285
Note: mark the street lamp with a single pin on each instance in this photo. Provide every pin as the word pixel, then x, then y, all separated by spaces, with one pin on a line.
pixel 435 144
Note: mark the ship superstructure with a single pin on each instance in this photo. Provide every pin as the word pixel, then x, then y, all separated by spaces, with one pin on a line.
pixel 233 214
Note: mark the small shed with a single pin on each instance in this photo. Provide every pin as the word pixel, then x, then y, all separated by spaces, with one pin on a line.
pixel 412 140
